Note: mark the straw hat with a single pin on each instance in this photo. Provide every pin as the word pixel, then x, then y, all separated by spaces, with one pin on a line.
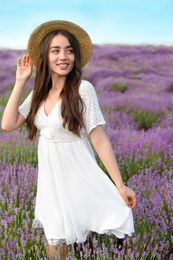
pixel 42 30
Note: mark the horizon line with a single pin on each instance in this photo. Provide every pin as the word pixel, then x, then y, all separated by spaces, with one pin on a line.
pixel 105 44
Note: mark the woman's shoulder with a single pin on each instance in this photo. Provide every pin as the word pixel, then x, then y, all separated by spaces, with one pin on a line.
pixel 86 88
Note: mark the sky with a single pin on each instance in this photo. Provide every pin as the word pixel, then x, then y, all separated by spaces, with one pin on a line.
pixel 106 21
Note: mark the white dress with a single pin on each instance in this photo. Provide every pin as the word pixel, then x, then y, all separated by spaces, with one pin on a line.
pixel 74 196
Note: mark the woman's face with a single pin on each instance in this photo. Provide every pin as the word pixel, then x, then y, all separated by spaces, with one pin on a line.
pixel 61 56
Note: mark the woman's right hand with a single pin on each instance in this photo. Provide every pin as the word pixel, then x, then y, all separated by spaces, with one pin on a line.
pixel 24 69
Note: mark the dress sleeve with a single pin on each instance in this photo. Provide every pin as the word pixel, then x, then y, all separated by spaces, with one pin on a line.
pixel 24 108
pixel 92 113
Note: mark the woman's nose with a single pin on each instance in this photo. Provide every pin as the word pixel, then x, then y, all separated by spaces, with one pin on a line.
pixel 62 55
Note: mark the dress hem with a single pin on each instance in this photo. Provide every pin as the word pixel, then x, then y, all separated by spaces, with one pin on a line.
pixel 58 241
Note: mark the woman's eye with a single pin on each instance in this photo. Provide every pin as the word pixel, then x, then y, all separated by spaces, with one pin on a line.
pixel 70 51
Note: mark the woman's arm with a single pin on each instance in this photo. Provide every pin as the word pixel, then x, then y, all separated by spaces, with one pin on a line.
pixel 12 119
pixel 105 152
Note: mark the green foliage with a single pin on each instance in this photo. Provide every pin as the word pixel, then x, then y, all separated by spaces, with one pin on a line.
pixel 145 118
pixel 133 164
pixel 109 109
pixel 33 72
pixel 1 113
pixel 5 96
pixel 20 226
pixel 119 86
pixel 11 152
pixel 10 86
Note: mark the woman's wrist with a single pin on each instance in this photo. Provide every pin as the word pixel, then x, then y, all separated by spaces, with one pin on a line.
pixel 120 186
pixel 20 83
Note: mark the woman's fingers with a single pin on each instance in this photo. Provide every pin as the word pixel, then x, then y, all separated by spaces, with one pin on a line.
pixel 24 68
pixel 30 64
pixel 126 198
pixel 132 201
pixel 129 196
pixel 18 62
pixel 25 61
pixel 127 202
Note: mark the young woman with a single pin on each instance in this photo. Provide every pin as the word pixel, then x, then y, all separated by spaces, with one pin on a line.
pixel 74 196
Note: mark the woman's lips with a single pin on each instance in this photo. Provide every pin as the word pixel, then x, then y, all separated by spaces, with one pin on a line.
pixel 63 65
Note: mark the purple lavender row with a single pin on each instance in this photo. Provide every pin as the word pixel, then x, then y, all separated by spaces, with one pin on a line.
pixel 135 90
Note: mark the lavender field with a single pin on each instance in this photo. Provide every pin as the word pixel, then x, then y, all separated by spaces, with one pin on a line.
pixel 135 90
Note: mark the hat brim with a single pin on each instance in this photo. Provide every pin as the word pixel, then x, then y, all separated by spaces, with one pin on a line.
pixel 36 37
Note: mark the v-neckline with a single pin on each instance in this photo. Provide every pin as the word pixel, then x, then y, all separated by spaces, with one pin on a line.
pixel 52 108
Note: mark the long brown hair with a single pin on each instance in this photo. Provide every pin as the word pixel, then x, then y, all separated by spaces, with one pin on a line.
pixel 72 104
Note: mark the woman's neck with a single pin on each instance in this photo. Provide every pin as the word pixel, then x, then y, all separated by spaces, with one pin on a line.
pixel 58 82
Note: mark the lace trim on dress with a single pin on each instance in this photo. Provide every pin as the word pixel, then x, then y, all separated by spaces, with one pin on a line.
pixel 52 241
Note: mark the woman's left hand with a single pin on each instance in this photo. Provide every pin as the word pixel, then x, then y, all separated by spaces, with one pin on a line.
pixel 128 196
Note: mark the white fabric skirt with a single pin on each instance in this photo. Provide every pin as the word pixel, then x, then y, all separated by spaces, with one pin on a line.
pixel 74 196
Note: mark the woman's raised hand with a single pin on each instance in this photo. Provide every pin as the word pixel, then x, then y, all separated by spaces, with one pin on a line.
pixel 24 69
